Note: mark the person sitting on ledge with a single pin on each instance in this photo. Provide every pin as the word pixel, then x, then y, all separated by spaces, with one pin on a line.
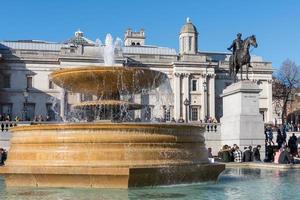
pixel 277 155
pixel 256 154
pixel 285 157
pixel 238 155
pixel 248 155
pixel 224 154
pixel 209 151
pixel 3 156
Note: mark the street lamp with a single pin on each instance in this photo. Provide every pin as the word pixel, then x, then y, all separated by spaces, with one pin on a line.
pixel 205 98
pixel 186 103
pixel 204 86
pixel 25 94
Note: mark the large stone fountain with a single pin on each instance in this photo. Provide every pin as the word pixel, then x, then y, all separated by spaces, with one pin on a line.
pixel 106 154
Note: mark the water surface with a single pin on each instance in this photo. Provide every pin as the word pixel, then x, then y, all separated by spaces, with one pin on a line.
pixel 237 183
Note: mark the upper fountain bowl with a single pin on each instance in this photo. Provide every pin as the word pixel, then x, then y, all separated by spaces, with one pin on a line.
pixel 107 80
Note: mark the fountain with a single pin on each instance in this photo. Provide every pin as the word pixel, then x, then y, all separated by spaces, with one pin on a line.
pixel 106 154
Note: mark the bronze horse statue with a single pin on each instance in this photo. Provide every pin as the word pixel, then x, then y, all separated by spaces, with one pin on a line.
pixel 242 58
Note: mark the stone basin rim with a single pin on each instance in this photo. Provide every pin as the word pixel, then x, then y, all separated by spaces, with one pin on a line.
pixel 105 125
pixel 101 68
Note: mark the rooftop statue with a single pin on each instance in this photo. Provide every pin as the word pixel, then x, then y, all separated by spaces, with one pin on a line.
pixel 240 55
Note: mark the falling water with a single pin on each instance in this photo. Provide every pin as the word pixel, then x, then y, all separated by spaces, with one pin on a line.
pixel 109 49
pixel 55 105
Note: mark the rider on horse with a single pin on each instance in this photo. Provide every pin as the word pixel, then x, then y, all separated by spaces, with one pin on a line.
pixel 236 45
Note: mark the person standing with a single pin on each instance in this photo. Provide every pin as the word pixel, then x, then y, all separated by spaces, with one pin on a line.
pixel 279 138
pixel 292 144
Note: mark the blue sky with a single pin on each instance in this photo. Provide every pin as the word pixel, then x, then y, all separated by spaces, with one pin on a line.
pixel 276 23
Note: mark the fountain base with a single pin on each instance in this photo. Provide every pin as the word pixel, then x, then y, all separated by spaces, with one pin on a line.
pixel 107 155
pixel 94 177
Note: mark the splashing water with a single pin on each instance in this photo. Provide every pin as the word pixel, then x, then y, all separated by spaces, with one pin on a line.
pixel 109 49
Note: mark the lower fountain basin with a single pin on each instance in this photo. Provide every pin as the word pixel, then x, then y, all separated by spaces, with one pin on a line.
pixel 107 155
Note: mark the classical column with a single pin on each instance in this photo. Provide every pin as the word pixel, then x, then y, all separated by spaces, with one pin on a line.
pixel 212 96
pixel 177 95
pixel 269 113
pixel 186 94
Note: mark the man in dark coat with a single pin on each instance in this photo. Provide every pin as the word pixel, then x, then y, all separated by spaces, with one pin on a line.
pixel 248 155
pixel 279 138
pixel 292 143
pixel 256 153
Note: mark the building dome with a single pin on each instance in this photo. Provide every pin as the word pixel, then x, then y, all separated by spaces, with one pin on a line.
pixel 188 27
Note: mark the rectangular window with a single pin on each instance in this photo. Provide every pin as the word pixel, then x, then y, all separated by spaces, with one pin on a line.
pixel 194 85
pixel 194 114
pixel 29 111
pixel 148 113
pixel 5 81
pixel 6 110
pixel 29 81
pixel 167 114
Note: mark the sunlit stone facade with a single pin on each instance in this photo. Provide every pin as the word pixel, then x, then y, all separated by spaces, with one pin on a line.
pixel 194 75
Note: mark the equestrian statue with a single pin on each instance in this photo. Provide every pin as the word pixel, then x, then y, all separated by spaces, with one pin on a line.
pixel 240 55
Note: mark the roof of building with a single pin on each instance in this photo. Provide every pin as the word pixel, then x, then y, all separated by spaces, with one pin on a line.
pixel 31 45
pixel 188 27
pixel 148 50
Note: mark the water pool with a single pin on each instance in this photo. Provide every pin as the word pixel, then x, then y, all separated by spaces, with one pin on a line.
pixel 239 183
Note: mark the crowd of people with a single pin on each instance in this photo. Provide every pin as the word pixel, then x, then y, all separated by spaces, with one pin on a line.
pixel 282 151
pixel 37 118
pixel 234 154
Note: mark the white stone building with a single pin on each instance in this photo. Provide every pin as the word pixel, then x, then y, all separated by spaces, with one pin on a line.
pixel 197 76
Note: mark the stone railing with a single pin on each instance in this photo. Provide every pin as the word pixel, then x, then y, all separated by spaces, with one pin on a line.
pixel 6 125
pixel 209 127
pixel 212 127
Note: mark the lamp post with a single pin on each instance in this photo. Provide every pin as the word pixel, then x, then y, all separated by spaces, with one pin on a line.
pixel 25 94
pixel 205 98
pixel 186 103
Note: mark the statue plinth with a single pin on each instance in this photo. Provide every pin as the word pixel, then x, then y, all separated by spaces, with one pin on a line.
pixel 242 124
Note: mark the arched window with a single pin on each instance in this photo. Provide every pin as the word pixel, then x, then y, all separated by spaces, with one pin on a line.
pixel 133 43
pixel 138 44
pixel 190 43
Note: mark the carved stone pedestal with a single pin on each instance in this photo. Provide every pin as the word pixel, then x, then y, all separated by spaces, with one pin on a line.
pixel 242 124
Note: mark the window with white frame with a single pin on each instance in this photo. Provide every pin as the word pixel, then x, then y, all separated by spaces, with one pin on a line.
pixel 194 85
pixel 29 81
pixel 194 113
pixel 167 113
